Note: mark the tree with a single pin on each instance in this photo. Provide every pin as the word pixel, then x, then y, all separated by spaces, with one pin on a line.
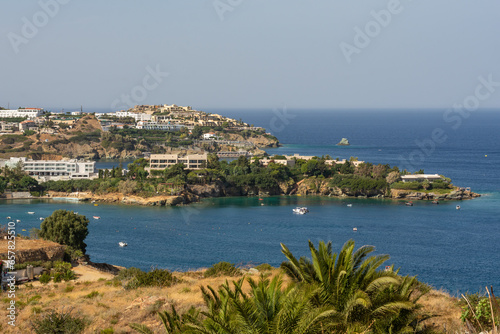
pixel 351 283
pixel 196 132
pixel 393 177
pixel 347 168
pixel 267 308
pixel 66 228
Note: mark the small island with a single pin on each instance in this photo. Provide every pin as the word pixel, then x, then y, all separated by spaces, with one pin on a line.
pixel 344 142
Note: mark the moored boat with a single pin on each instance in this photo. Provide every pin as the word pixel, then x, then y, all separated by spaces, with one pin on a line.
pixel 458 207
pixel 300 210
pixel 31 213
pixel 435 202
pixel 410 203
pixel 122 244
pixel 96 217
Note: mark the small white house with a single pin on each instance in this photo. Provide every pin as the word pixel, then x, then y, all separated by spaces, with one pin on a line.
pixel 209 135
pixel 421 177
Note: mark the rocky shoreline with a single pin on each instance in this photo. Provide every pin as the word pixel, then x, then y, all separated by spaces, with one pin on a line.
pixel 195 193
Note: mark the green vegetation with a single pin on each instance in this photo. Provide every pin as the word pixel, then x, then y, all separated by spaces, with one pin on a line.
pixel 476 311
pixel 59 322
pixel 66 228
pixel 13 119
pixel 14 179
pixel 133 278
pixel 343 292
pixel 264 267
pixel 357 184
pixel 222 269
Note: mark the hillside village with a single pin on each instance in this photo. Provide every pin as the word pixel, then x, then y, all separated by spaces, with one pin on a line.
pixel 129 134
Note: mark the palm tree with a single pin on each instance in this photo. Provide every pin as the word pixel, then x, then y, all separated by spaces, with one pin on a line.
pixel 173 323
pixel 267 308
pixel 351 284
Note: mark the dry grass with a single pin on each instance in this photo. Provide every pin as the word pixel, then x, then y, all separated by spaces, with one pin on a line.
pixel 115 307
pixel 446 309
pixel 27 244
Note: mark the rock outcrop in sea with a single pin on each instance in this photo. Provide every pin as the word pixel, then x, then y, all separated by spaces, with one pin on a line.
pixel 344 142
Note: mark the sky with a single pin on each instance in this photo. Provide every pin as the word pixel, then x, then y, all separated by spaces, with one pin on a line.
pixel 114 54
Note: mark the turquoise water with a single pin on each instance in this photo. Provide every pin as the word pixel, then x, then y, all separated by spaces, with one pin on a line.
pixel 454 249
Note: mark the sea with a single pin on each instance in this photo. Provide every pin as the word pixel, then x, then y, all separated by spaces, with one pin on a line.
pixel 454 250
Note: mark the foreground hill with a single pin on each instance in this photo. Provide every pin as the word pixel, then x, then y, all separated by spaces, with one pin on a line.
pixel 107 305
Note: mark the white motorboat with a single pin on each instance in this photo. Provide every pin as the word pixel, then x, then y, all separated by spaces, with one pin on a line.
pixel 122 244
pixel 354 229
pixel 8 217
pixel 349 205
pixel 31 213
pixel 300 210
pixel 458 207
pixel 96 217
pixel 41 218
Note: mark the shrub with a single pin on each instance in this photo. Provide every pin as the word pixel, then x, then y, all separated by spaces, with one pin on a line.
pixel 59 322
pixel 407 185
pixel 36 310
pixel 222 269
pixel 91 295
pixel 156 277
pixel 45 278
pixel 481 305
pixel 135 277
pixel 264 267
pixel 108 330
pixel 69 288
pixel 57 277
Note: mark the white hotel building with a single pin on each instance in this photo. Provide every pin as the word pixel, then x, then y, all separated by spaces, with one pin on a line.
pixel 159 126
pixel 191 161
pixel 64 169
pixel 21 112
pixel 137 116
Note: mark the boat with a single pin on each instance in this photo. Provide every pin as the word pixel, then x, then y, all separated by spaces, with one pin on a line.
pixel 354 229
pixel 300 210
pixel 96 217
pixel 435 202
pixel 122 244
pixel 96 204
pixel 41 218
pixel 349 205
pixel 410 203
pixel 31 213
pixel 458 207
pixel 8 217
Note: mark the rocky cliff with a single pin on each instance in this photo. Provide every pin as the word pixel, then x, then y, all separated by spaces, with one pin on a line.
pixel 33 250
pixel 161 200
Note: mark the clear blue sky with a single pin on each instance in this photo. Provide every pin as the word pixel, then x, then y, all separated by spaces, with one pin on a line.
pixel 263 54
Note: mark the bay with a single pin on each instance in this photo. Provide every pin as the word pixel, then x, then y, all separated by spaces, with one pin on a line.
pixel 457 250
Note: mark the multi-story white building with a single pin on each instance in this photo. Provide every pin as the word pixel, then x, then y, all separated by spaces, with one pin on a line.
pixel 421 177
pixel 159 126
pixel 135 115
pixel 21 112
pixel 55 169
pixel 191 161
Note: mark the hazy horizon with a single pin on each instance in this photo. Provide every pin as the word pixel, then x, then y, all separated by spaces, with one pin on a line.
pixel 221 54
